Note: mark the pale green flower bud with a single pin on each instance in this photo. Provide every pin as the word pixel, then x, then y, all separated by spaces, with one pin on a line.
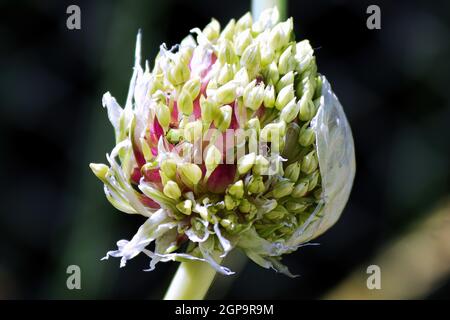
pixel 309 162
pixel 271 73
pixel 185 103
pixel 243 40
pixel 228 31
pixel 212 30
pixel 318 193
pixel 277 213
pixel 287 60
pixel 169 167
pixel 172 190
pixel 253 95
pixel 254 125
pixel 269 96
pixel 192 86
pixel 163 115
pixel 292 171
pixel 273 131
pixel 244 22
pixel 208 109
pixel 251 59
pixel 306 137
pixel 179 72
pixel 190 172
pixel 282 189
pixel 296 207
pixel 318 86
pixel 280 34
pixel 290 111
pixel 223 121
pixel 164 177
pixel 246 163
pixel 193 131
pixel 313 179
pixel 226 54
pixel 236 190
pixel 225 74
pixel 100 170
pixel 286 80
pixel 300 189
pixel 267 54
pixel 230 203
pixel 245 206
pixel 213 158
pixel 226 93
pixel 241 77
pixel 261 165
pixel 286 94
pixel 255 185
pixel 307 109
pixel 174 135
pixel 185 207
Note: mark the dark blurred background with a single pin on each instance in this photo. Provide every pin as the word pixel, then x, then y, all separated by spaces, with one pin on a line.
pixel 393 84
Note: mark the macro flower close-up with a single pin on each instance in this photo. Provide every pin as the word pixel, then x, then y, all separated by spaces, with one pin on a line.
pixel 231 139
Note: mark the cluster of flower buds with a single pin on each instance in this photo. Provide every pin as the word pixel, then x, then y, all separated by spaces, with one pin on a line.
pixel 232 140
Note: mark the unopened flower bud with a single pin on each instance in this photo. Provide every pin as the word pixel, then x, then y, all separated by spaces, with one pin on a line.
pixel 282 189
pixel 273 131
pixel 244 22
pixel 185 207
pixel 286 80
pixel 309 162
pixel 253 95
pixel 280 34
pixel 169 167
pixel 226 93
pixel 179 72
pixel 243 40
pixel 212 30
pixel 245 206
pixel 277 213
pixel 292 171
pixel 163 115
pixel 246 163
pixel 296 207
pixel 190 172
pixel 223 121
pixel 261 166
pixel 306 137
pixel 172 190
pixel 251 59
pixel 230 203
pixel 307 109
pixel 213 158
pixel 208 109
pixel 300 189
pixel 318 193
pixel 192 86
pixel 255 185
pixel 271 73
pixel 287 60
pixel 225 74
pixel 290 111
pixel 269 96
pixel 254 125
pixel 284 96
pixel 228 31
pixel 185 103
pixel 236 190
pixel 313 179
pixel 174 135
pixel 100 170
pixel 241 77
pixel 267 54
pixel 226 54
pixel 193 131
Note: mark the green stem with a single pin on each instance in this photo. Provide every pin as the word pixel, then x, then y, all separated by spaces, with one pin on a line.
pixel 259 6
pixel 191 281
